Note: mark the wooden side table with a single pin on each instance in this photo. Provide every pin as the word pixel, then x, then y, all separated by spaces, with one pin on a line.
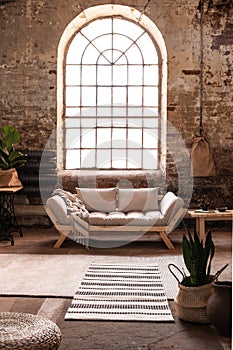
pixel 8 223
pixel 211 215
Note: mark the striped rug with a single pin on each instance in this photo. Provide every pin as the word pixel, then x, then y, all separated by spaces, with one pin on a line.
pixel 121 292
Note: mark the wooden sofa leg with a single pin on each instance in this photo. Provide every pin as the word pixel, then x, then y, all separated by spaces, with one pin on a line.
pixel 166 240
pixel 60 240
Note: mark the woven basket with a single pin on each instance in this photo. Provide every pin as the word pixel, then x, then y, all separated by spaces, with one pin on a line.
pixel 191 303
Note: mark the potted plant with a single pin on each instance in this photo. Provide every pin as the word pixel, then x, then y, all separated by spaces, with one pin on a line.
pixel 10 159
pixel 196 288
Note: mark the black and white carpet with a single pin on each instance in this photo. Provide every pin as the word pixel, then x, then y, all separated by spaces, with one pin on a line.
pixel 122 292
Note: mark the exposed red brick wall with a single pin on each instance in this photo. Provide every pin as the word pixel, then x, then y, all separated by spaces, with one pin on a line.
pixel 30 32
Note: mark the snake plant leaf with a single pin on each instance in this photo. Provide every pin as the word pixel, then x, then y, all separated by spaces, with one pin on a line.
pixel 197 256
pixel 187 253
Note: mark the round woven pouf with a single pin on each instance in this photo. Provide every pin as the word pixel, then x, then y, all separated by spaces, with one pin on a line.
pixel 26 331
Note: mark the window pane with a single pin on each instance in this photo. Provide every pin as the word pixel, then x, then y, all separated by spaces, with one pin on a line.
pixel 105 58
pixel 72 138
pixel 88 96
pixel 72 159
pixel 150 159
pixel 119 75
pixel 118 159
pixel 150 96
pixel 119 138
pixel 98 27
pixel 76 49
pixel 90 56
pixel 135 75
pixel 104 138
pixel 134 138
pixel 137 122
pixel 151 112
pixel 87 158
pixel 88 122
pixel 121 43
pixel 150 139
pixel 103 41
pixel 135 111
pixel 89 75
pixel 149 51
pixel 88 138
pixel 151 76
pixel 104 75
pixel 104 121
pixel 134 55
pixel 72 75
pixel 119 95
pixel 103 111
pixel 151 122
pixel 103 158
pixel 104 96
pixel 135 96
pixel 72 123
pixel 134 158
pixel 72 96
pixel 119 111
pixel 88 112
pixel 119 122
pixel 72 112
pixel 122 26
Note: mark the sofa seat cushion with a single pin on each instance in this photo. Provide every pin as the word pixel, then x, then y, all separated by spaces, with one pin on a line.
pixel 118 218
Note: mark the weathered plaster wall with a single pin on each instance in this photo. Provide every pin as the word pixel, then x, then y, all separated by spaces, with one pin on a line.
pixel 30 31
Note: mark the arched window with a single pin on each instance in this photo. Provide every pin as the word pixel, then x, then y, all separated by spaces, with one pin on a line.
pixel 111 91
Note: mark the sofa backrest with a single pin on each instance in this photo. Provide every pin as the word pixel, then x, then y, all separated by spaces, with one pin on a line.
pixel 98 199
pixel 137 199
pixel 126 200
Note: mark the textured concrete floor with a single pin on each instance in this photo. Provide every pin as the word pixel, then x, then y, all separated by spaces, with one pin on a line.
pixel 77 335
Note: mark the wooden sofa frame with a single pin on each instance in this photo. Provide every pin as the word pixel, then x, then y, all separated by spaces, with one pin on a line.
pixel 82 230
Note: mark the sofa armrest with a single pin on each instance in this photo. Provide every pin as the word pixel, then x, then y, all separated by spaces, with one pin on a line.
pixel 58 206
pixel 170 205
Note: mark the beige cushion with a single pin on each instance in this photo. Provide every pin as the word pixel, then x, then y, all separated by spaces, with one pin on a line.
pixel 134 218
pixel 98 199
pixel 138 199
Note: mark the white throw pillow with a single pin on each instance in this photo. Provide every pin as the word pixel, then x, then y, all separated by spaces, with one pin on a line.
pixel 98 199
pixel 138 199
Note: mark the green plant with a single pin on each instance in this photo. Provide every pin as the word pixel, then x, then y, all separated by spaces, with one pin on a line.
pixel 198 256
pixel 9 157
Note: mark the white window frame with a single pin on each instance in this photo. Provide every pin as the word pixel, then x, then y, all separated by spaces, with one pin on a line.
pixel 74 26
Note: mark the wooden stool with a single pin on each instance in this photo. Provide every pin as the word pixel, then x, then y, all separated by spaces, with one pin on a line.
pixel 26 331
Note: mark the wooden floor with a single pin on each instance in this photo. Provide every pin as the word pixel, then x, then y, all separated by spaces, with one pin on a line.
pixel 118 335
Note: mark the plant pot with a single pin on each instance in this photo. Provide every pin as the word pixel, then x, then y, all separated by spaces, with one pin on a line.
pixel 219 307
pixel 9 178
pixel 191 303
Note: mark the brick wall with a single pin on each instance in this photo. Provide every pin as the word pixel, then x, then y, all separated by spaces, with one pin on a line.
pixel 30 31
